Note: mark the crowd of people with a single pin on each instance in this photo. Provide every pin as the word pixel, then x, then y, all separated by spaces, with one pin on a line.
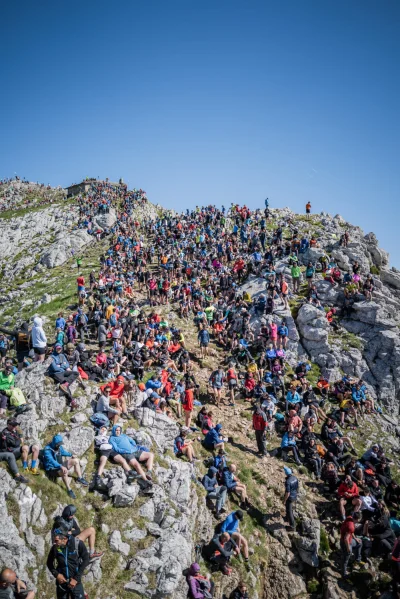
pixel 120 338
pixel 18 194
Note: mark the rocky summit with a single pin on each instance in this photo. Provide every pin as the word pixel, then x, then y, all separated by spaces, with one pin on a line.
pixel 197 404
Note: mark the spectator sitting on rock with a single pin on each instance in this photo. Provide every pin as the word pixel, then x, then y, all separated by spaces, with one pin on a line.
pixel 103 405
pixel 200 587
pixel 133 454
pixel 240 592
pixel 214 439
pixel 214 490
pixel 231 524
pixel 12 448
pixel 233 484
pixel 183 446
pixel 6 383
pixel 68 522
pixel 220 550
pixel 57 461
pixel 61 372
pixel 11 587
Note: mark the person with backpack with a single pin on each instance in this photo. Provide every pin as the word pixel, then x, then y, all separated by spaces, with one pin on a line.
pixel 260 425
pixel 214 490
pixel 290 497
pixel 68 522
pixel 200 587
pixel 23 343
pixel 4 346
pixel 67 560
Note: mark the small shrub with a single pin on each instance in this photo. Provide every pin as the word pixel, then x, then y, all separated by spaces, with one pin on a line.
pixel 324 542
pixel 375 270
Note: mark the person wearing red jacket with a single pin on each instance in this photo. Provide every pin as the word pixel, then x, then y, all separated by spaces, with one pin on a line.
pixel 260 425
pixel 348 491
pixel 117 398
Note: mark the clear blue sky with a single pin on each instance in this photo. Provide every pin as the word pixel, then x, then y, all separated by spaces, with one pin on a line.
pixel 211 101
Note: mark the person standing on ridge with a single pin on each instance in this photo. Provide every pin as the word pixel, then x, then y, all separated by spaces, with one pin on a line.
pixel 308 209
pixel 291 492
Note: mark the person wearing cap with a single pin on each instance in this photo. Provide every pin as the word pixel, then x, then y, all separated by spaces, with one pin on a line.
pixel 200 587
pixel 67 560
pixel 57 461
pixel 291 492
pixel 11 449
pixel 117 395
pixel 231 524
pixel 68 521
pixel 184 446
pixel 61 372
pixel 6 384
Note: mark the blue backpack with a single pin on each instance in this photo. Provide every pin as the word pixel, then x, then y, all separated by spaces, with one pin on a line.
pixel 99 419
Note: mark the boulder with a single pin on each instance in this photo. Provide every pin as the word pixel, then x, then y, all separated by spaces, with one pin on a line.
pixel 161 428
pixel 78 440
pixel 116 543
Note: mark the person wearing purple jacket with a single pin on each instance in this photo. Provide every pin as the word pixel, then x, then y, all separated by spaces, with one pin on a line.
pixel 199 586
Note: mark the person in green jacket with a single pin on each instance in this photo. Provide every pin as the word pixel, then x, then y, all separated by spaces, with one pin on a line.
pixel 6 383
pixel 295 277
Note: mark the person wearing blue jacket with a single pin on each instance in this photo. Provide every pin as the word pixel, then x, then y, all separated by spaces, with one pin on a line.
pixel 214 490
pixel 214 439
pixel 133 454
pixel 231 526
pixel 234 485
pixel 60 370
pixel 57 461
pixel 289 444
pixel 204 340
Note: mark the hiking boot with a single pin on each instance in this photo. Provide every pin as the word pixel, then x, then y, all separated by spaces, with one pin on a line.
pixel 125 416
pixel 82 481
pixel 82 385
pixel 95 555
pixel 21 479
pixel 34 471
pixel 74 404
pixel 71 494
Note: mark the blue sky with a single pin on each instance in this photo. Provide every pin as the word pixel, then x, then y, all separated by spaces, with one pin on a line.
pixel 212 101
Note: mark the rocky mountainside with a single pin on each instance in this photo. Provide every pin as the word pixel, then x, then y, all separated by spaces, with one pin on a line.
pixel 151 537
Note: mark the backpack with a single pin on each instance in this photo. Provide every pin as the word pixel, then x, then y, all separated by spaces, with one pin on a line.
pixel 113 320
pixel 99 419
pixel 82 320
